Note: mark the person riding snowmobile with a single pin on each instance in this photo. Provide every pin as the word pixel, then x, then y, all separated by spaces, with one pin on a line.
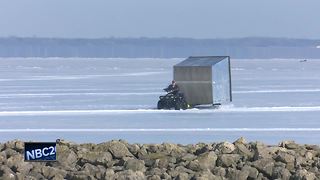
pixel 173 88
pixel 173 99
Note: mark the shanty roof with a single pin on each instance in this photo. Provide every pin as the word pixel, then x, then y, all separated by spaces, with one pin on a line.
pixel 202 60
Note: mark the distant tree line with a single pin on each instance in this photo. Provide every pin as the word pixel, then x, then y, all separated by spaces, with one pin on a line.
pixel 159 47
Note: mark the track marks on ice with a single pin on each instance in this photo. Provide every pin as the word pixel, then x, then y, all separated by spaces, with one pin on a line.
pixel 168 130
pixel 277 91
pixel 223 109
pixel 16 95
pixel 74 77
pixel 32 94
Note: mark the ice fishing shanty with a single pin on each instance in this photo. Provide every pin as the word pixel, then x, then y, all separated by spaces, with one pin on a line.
pixel 204 79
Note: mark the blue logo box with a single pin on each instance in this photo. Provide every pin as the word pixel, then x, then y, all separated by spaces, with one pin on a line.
pixel 40 151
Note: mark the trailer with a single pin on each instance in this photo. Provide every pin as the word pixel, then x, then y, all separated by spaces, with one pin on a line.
pixel 202 80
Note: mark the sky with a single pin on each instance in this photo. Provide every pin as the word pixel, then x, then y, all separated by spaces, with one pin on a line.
pixel 198 19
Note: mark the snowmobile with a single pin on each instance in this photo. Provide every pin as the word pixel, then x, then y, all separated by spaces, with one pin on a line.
pixel 172 100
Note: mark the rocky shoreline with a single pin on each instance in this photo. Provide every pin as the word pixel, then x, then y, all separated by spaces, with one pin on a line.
pixel 120 160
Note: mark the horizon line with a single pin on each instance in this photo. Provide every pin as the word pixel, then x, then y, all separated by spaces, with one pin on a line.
pixel 145 37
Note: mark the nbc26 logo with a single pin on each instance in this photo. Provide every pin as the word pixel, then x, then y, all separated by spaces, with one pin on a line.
pixel 40 151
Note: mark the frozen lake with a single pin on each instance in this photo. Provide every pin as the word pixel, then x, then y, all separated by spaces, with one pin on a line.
pixel 95 100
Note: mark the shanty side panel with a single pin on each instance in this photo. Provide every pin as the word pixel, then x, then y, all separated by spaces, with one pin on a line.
pixel 195 82
pixel 221 82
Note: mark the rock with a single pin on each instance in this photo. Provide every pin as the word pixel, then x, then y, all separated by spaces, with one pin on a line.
pixel 62 142
pixel 312 147
pixel 119 150
pixel 6 173
pixel 17 163
pixel 57 177
pixel 236 174
pixel 300 161
pixel 155 160
pixel 253 172
pixel 241 163
pixel 207 160
pixel 24 167
pixel 202 148
pixel 3 156
pixel 172 173
pixel 262 177
pixel 2 146
pixel 135 165
pixel 205 175
pixel 80 175
pixel 178 170
pixel 122 161
pixel 261 151
pixel 16 145
pixel 36 175
pixel 142 152
pixel 285 157
pixel 171 149
pixel 243 150
pixel 159 160
pixel 289 145
pixel 101 172
pixel 219 171
pixel 154 177
pixel 129 175
pixel 182 163
pixel 227 160
pixel 194 165
pixel 182 169
pixel 241 140
pixel 155 171
pixel 167 148
pixel 66 157
pixel 161 163
pixel 309 155
pixel 281 173
pixel 134 149
pixel 265 166
pixel 188 157
pixel 50 172
pixel 153 148
pixel 96 171
pixel 20 176
pixel 226 148
pixel 304 175
pixel 117 168
pixel 94 157
pixel 19 146
pixel 37 166
pixel 109 174
pixel 191 148
pixel 183 176
pixel 8 152
pixel 314 170
pixel 166 176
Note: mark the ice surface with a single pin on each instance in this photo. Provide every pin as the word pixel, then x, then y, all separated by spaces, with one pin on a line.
pixel 101 99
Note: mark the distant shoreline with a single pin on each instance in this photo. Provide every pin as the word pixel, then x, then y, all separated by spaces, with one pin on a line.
pixel 239 48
